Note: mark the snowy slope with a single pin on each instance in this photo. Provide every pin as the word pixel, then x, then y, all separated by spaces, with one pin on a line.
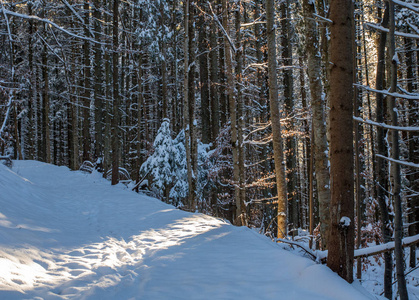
pixel 70 235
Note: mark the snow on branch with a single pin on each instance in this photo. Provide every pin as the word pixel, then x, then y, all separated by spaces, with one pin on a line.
pixel 400 162
pixel 412 6
pixel 9 105
pixel 320 18
pixel 385 126
pixel 23 16
pixel 215 18
pixel 369 251
pixel 321 256
pixel 78 16
pixel 398 33
pixel 252 23
pixel 387 93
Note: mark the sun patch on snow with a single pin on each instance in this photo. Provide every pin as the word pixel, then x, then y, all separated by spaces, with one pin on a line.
pixel 97 264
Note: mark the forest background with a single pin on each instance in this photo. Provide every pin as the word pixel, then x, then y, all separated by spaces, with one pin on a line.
pixel 227 108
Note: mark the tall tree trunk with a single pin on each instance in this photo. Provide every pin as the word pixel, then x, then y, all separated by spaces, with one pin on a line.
pixel 30 123
pixel 276 121
pixel 319 120
pixel 395 168
pixel 203 71
pixel 115 144
pixel 98 95
pixel 223 90
pixel 163 66
pixel 380 165
pixel 341 238
pixel 241 214
pixel 46 147
pixel 358 132
pixel 288 84
pixel 413 177
pixel 233 111
pixel 192 105
pixel 186 100
pixel 86 91
pixel 214 90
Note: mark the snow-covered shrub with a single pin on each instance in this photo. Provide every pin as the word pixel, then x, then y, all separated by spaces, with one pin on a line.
pixel 180 189
pixel 160 164
pixel 167 166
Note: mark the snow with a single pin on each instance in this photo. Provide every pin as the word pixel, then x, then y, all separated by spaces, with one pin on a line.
pixel 71 235
pixel 345 221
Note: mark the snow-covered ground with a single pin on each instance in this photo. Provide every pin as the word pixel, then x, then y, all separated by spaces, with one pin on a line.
pixel 70 235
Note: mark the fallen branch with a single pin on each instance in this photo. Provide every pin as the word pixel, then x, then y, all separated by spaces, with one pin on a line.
pixel 374 250
pixel 315 255
pixel 321 256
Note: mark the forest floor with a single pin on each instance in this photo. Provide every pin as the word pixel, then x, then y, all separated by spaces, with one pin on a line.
pixel 71 235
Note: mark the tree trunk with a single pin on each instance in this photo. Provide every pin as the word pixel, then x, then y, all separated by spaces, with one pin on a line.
pixel 341 236
pixel 233 111
pixel 395 168
pixel 413 177
pixel 86 92
pixel 186 100
pixel 319 120
pixel 380 164
pixel 30 132
pixel 214 90
pixel 46 147
pixel 241 214
pixel 115 144
pixel 203 72
pixel 275 119
pixel 288 83
pixel 98 95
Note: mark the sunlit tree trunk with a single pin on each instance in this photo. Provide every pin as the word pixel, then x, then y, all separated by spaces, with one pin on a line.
pixel 318 103
pixel 275 120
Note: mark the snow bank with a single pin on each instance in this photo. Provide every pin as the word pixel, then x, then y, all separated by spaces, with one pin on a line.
pixel 70 235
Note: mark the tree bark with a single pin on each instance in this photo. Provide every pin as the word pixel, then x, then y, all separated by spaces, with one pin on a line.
pixel 275 119
pixel 395 168
pixel 413 177
pixel 318 102
pixel 341 235
pixel 288 85
pixel 214 90
pixel 46 147
pixel 203 72
pixel 86 91
pixel 115 143
pixel 98 95
pixel 241 213
pixel 380 163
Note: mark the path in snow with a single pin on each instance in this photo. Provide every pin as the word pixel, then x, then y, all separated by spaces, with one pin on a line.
pixel 70 235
